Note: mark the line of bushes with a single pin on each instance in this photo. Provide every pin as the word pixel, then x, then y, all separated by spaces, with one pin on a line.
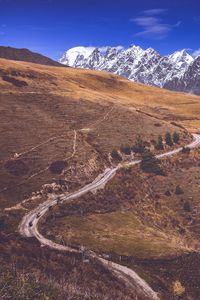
pixel 169 139
pixel 139 146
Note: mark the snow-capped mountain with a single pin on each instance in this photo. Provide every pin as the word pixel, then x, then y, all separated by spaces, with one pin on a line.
pixel 176 71
pixel 189 81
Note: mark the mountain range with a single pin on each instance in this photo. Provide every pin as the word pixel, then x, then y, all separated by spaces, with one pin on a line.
pixel 178 71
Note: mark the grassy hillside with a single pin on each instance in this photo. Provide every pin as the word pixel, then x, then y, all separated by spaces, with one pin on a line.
pixel 26 55
pixel 99 87
pixel 58 128
pixel 41 106
pixel 148 222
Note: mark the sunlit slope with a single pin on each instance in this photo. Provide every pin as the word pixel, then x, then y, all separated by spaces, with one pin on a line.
pixel 42 106
pixel 99 87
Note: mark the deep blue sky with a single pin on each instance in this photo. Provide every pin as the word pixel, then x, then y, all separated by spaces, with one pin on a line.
pixel 52 26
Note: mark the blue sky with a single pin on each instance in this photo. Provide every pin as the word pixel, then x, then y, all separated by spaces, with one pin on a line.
pixel 52 26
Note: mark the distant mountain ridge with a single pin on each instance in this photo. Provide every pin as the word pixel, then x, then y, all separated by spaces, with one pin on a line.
pixel 26 55
pixel 178 71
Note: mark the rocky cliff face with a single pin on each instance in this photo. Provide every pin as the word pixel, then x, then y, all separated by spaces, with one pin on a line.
pixel 189 81
pixel 178 71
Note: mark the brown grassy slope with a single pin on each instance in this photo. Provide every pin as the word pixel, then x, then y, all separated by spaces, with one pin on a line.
pixel 142 204
pixel 99 86
pixel 31 272
pixel 112 111
pixel 26 55
pixel 143 218
pixel 41 102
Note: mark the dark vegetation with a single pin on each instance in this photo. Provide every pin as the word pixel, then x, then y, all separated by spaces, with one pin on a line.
pixel 159 145
pixel 168 139
pixel 126 149
pixel 58 166
pixel 150 164
pixel 29 272
pixel 17 167
pixel 139 146
pixel 176 137
pixel 186 150
pixel 187 206
pixel 115 155
pixel 179 190
pixel 14 81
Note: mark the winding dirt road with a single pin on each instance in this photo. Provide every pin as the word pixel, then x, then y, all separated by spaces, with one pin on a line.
pixel 28 226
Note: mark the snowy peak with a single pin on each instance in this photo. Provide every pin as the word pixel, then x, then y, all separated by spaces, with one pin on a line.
pixel 181 58
pixel 141 65
pixel 190 81
pixel 111 53
pixel 70 56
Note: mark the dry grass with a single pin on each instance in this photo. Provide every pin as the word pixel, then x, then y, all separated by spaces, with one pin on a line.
pixel 135 218
pixel 29 272
pixel 39 119
pixel 120 233
pixel 100 87
pixel 143 217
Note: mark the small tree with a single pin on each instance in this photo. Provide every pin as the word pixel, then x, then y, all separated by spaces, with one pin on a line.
pixel 57 166
pixel 187 206
pixel 176 137
pixel 168 139
pixel 179 190
pixel 150 164
pixel 167 193
pixel 115 155
pixel 159 145
pixel 126 149
pixel 185 150
pixel 139 146
pixel 2 223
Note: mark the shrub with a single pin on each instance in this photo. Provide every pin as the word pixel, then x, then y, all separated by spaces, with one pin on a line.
pixel 159 144
pixel 139 146
pixel 168 139
pixel 179 190
pixel 2 223
pixel 158 125
pixel 178 288
pixel 58 166
pixel 14 81
pixel 115 155
pixel 187 206
pixel 16 167
pixel 185 150
pixel 150 164
pixel 176 137
pixel 126 149
pixel 167 193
